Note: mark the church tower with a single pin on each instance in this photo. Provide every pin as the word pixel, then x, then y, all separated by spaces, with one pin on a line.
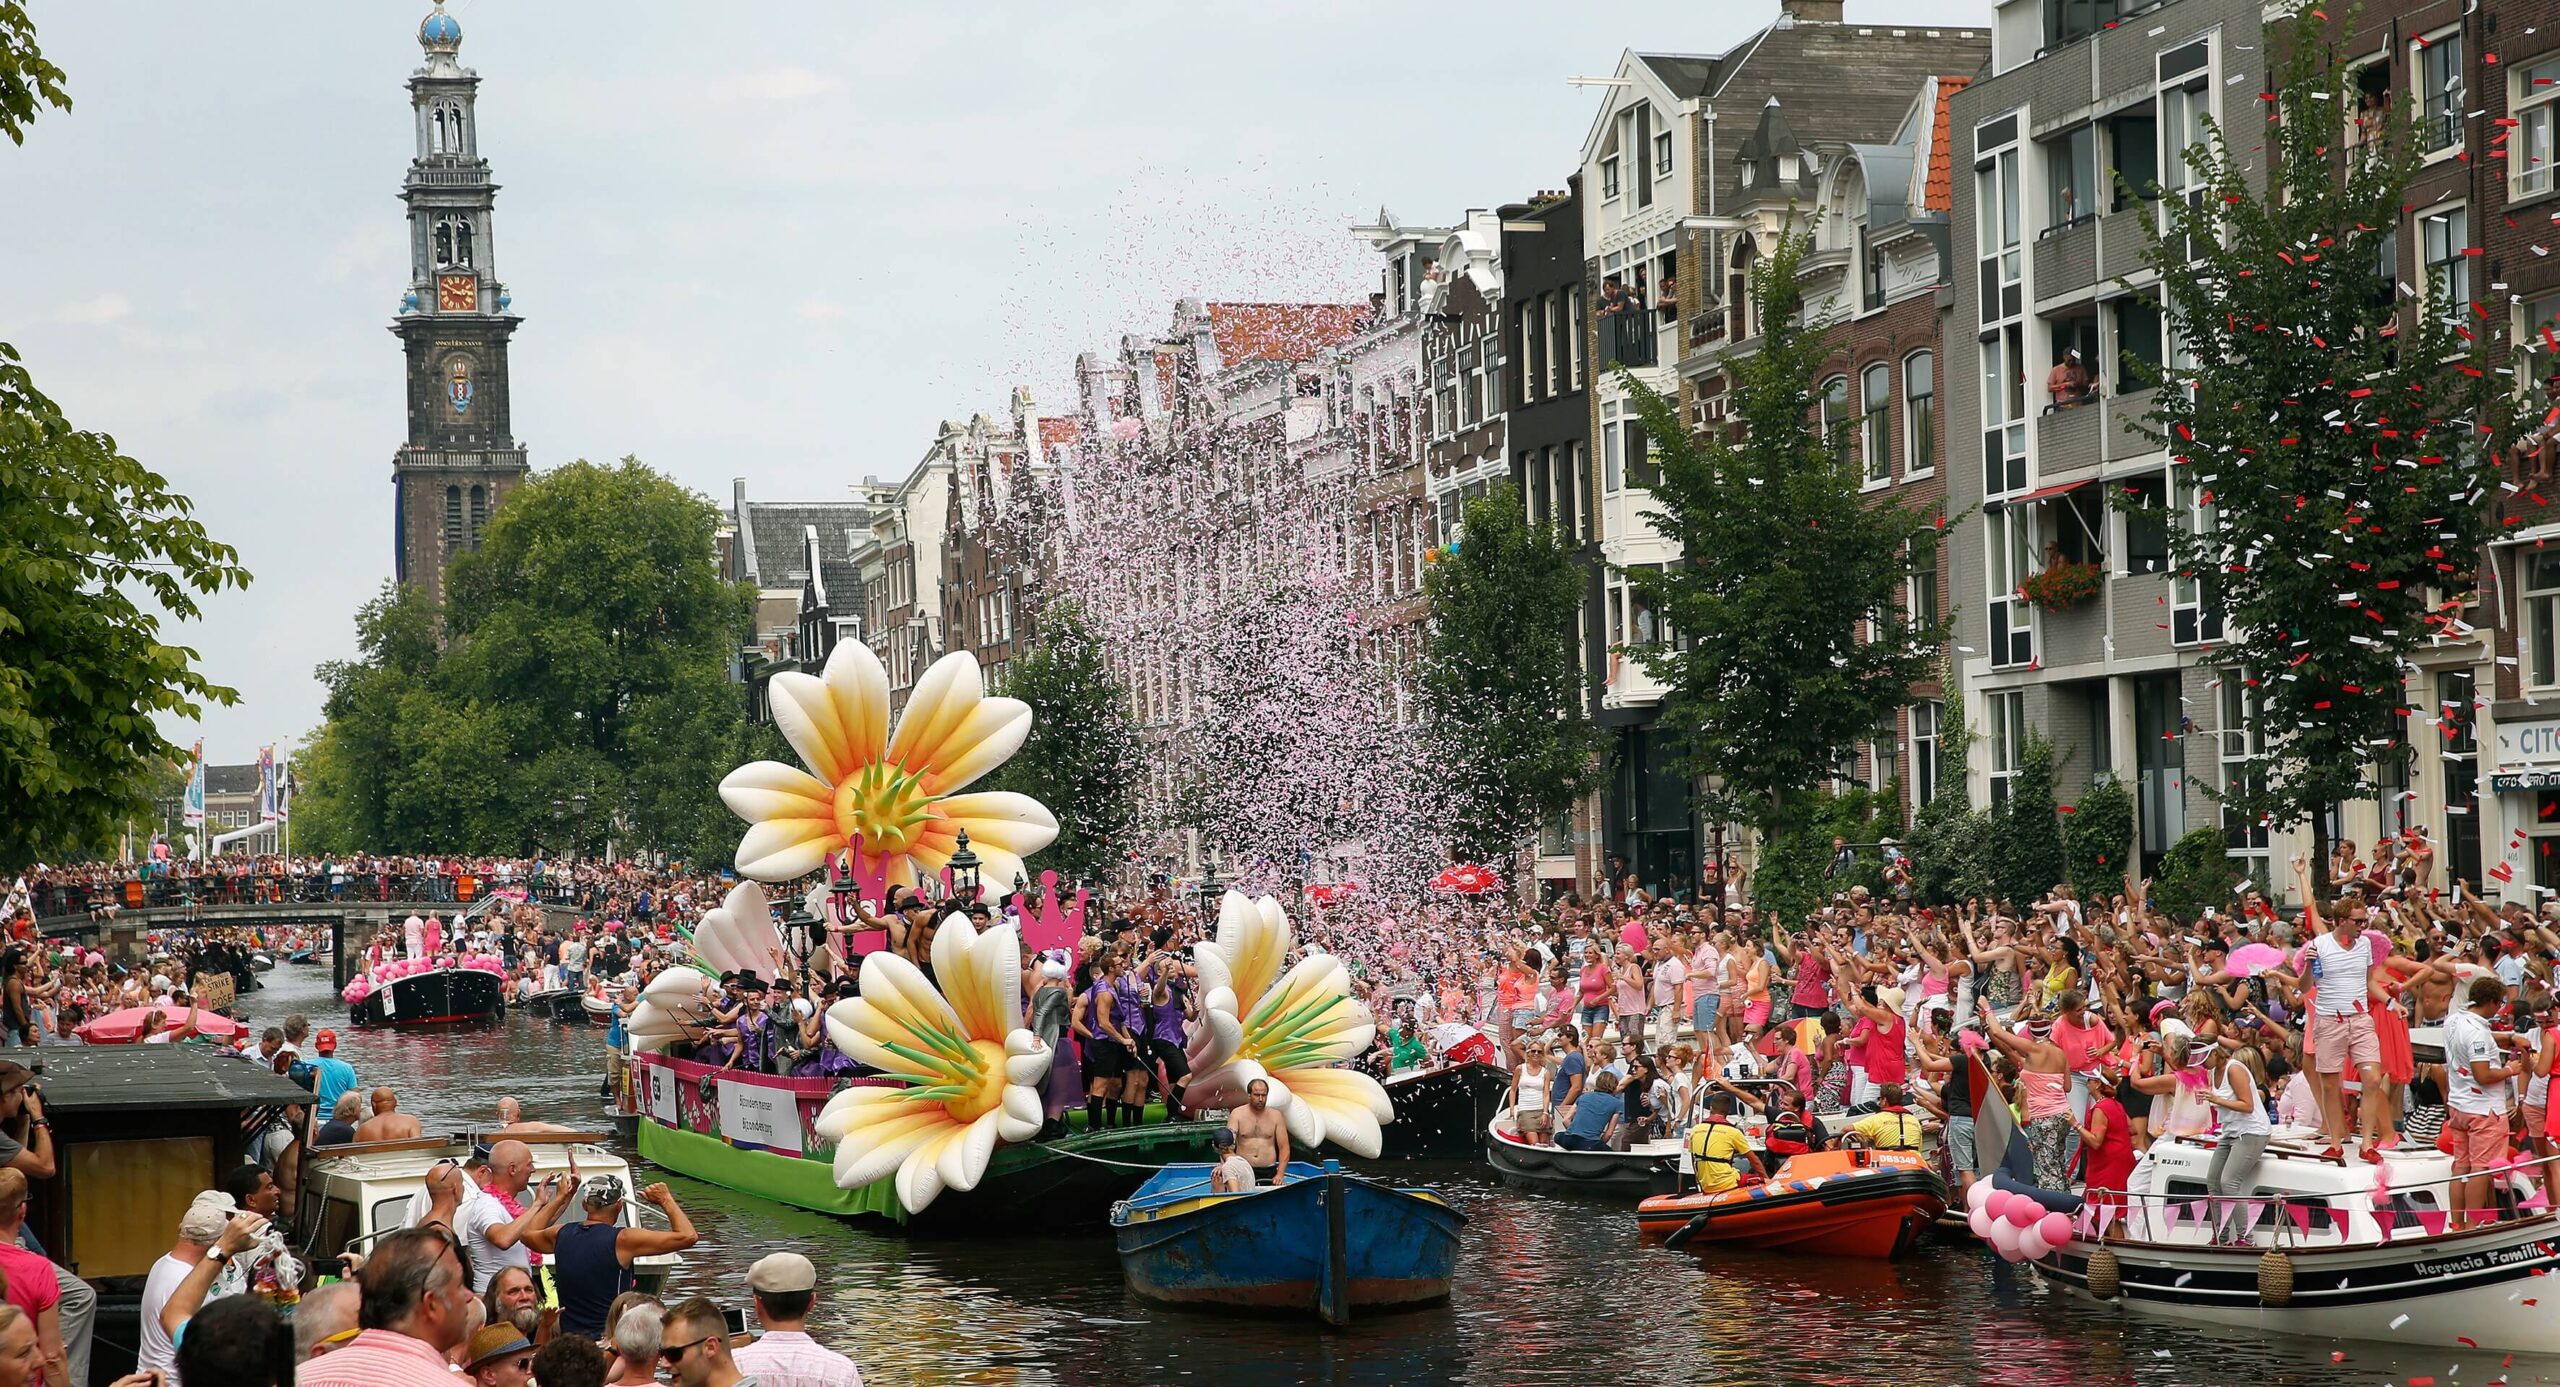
pixel 461 459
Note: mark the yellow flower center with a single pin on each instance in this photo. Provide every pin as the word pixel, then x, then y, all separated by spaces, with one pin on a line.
pixel 884 806
pixel 988 1093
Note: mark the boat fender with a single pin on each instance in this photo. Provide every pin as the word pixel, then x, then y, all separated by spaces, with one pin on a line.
pixel 2275 1278
pixel 1688 1230
pixel 2106 1279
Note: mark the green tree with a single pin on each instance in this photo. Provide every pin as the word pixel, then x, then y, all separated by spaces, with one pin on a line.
pixel 2027 828
pixel 1501 680
pixel 1795 872
pixel 2330 448
pixel 96 553
pixel 1784 638
pixel 2097 836
pixel 2195 873
pixel 1951 841
pixel 1082 756
pixel 577 691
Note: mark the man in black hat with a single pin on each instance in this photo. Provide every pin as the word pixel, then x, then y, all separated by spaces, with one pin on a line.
pixel 1233 1174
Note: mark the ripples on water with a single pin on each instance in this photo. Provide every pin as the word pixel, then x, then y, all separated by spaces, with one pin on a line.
pixel 1549 1291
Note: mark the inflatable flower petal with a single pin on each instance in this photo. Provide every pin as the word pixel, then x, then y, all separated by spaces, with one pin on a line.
pixel 1289 1029
pixel 891 792
pixel 971 1072
pixel 740 933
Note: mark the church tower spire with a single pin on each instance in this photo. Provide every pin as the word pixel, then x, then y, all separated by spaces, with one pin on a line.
pixel 461 457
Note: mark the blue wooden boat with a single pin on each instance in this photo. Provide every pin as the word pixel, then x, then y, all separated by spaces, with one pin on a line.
pixel 1325 1241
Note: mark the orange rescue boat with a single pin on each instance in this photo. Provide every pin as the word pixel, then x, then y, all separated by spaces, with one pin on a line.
pixel 1848 1203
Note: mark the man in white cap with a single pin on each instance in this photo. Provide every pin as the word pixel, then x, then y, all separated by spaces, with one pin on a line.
pixel 785 1286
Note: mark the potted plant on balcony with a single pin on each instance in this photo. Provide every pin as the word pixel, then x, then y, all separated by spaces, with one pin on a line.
pixel 2062 585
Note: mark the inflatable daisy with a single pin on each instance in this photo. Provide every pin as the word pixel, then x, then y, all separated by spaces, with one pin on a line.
pixel 972 1072
pixel 1291 1029
pixel 888 795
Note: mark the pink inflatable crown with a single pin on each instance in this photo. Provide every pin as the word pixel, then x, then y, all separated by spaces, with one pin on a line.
pixel 1054 925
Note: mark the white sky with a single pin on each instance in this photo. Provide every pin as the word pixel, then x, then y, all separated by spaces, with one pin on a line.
pixel 778 241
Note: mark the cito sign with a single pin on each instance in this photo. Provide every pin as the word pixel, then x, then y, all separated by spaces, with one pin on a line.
pixel 2529 743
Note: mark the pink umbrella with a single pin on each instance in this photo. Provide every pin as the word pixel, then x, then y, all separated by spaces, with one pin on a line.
pixel 124 1027
pixel 2249 960
pixel 1467 879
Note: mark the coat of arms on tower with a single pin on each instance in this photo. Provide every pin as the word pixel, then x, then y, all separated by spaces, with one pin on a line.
pixel 458 385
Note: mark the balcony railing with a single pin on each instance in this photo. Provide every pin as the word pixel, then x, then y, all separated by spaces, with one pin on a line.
pixel 54 899
pixel 1628 339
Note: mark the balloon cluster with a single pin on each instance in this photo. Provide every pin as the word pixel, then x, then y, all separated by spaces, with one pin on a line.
pixel 365 983
pixel 2017 1226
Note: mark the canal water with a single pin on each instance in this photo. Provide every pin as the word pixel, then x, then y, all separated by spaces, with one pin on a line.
pixel 1549 1291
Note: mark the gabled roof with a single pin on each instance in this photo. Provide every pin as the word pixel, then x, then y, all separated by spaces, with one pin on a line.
pixel 231 780
pixel 1686 74
pixel 1281 331
pixel 1828 78
pixel 778 528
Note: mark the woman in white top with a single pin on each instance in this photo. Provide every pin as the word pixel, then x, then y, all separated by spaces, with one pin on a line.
pixel 1530 1115
pixel 2237 1091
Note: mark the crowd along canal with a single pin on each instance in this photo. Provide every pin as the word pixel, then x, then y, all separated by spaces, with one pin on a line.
pixel 1548 1291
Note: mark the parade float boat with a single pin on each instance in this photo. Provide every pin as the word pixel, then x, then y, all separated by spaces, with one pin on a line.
pixel 138 1131
pixel 412 994
pixel 1323 1241
pixel 1848 1203
pixel 759 1134
pixel 1442 1112
pixel 354 1194
pixel 2336 1248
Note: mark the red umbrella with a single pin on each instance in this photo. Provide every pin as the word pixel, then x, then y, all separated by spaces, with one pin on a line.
pixel 1467 879
pixel 125 1027
pixel 1327 892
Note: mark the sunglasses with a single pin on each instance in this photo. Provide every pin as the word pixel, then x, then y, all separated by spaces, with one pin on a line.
pixel 674 1354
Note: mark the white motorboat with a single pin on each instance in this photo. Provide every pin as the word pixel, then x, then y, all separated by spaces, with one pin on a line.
pixel 2335 1247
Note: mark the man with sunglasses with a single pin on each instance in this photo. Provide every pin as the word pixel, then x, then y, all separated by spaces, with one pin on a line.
pixel 415 1307
pixel 501 1356
pixel 695 1348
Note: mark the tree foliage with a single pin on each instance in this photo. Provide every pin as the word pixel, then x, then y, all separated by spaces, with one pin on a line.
pixel 1785 640
pixel 2027 828
pixel 1082 757
pixel 2096 837
pixel 2196 872
pixel 95 554
pixel 1951 842
pixel 1795 873
pixel 2338 440
pixel 1501 680
pixel 578 689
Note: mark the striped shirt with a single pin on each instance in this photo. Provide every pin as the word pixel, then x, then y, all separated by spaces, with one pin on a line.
pixel 789 1358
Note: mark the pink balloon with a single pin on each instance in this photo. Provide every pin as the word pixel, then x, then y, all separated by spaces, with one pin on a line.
pixel 1982 1224
pixel 2031 1244
pixel 2023 1212
pixel 1978 1195
pixel 2056 1229
pixel 2004 1239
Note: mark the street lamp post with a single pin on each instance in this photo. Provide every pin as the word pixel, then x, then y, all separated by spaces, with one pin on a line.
pixel 964 871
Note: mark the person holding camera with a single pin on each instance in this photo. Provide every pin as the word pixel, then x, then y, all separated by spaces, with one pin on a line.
pixel 591 1260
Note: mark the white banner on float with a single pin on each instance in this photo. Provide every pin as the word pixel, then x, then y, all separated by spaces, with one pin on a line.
pixel 662 1094
pixel 754 1115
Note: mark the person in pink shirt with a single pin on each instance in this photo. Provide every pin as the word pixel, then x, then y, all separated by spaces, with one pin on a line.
pixel 2084 1038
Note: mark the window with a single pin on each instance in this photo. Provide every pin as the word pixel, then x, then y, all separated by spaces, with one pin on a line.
pixel 1527 326
pixel 1875 391
pixel 1922 601
pixel 2195 609
pixel 2145 503
pixel 2459 727
pixel 1612 462
pixel 2537 339
pixel 2186 109
pixel 2072 187
pixel 1835 418
pixel 1643 473
pixel 2542 618
pixel 2007 713
pixel 1662 154
pixel 453 517
pixel 2533 98
pixel 2444 240
pixel 2437 65
pixel 1924 752
pixel 479 514
pixel 1635 137
pixel 2243 835
pixel 1573 331
pixel 2009 541
pixel 1996 197
pixel 2141 350
pixel 2069 21
pixel 2004 412
pixel 1609 179
pixel 1919 415
pixel 2135 138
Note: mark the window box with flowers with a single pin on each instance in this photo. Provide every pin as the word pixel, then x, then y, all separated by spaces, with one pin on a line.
pixel 2062 585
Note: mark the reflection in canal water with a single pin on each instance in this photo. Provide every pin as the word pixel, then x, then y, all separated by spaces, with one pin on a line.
pixel 1549 1291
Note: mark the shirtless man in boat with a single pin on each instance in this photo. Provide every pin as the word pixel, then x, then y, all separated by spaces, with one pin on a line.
pixel 1261 1137
pixel 511 1121
pixel 388 1123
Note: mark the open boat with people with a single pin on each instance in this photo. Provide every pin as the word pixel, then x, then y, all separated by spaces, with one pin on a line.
pixel 1851 1202
pixel 354 1194
pixel 1644 1168
pixel 434 996
pixel 1322 1241
pixel 2334 1247
pixel 1442 1111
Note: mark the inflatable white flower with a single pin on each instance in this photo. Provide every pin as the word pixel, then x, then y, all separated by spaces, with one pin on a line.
pixel 739 934
pixel 1291 1029
pixel 894 792
pixel 972 1072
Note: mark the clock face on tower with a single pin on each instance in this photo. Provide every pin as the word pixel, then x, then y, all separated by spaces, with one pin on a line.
pixel 457 293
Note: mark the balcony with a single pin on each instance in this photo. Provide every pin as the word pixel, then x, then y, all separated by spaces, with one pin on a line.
pixel 2124 244
pixel 1629 339
pixel 2067 440
pixel 2066 260
pixel 2125 414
